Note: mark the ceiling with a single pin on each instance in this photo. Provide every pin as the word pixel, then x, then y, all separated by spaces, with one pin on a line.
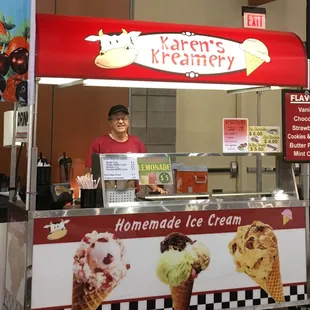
pixel 259 2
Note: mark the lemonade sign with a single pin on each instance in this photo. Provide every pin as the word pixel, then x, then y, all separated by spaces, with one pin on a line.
pixel 155 171
pixel 264 139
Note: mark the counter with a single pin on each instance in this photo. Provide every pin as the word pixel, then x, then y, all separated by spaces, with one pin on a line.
pixel 141 227
pixel 213 251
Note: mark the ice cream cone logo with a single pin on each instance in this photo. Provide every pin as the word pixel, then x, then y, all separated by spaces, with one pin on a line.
pixel 181 261
pixel 287 216
pixel 255 252
pixel 256 53
pixel 57 230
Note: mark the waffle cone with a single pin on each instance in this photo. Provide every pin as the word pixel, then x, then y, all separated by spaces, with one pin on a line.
pixel 181 295
pixel 285 220
pixel 273 284
pixel 252 63
pixel 92 301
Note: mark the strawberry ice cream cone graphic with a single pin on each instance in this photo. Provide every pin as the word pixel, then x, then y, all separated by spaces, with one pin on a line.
pixel 256 53
pixel 255 252
pixel 99 266
pixel 181 261
pixel 92 301
pixel 287 216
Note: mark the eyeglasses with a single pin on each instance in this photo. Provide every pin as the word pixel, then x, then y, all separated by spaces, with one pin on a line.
pixel 119 118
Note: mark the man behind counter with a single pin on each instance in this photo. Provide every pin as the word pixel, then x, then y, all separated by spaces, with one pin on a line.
pixel 118 140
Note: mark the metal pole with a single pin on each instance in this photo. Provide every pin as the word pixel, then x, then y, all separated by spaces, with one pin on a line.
pixel 305 168
pixel 305 182
pixel 32 102
pixel 29 156
pixel 12 193
pixel 259 159
pixel 35 114
pixel 34 152
pixel 131 17
pixel 32 156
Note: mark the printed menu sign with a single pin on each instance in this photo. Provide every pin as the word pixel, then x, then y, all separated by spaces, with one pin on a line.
pixel 120 169
pixel 235 135
pixel 155 171
pixel 296 128
pixel 264 139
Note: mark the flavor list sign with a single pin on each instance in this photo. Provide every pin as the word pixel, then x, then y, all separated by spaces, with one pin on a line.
pixel 155 171
pixel 296 128
pixel 209 249
pixel 264 139
pixel 235 135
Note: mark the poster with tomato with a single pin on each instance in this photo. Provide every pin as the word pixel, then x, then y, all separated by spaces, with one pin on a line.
pixel 14 50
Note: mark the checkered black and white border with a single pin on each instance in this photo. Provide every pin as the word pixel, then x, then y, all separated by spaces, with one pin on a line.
pixel 10 302
pixel 226 300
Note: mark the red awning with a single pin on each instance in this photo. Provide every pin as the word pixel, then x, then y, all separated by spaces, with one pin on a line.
pixel 91 48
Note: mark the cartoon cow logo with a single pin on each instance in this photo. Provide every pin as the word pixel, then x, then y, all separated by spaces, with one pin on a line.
pixel 57 230
pixel 116 51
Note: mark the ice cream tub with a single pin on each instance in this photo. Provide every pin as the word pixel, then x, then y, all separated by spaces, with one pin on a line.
pixel 192 179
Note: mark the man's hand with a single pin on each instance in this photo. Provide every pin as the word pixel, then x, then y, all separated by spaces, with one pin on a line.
pixel 157 189
pixel 161 191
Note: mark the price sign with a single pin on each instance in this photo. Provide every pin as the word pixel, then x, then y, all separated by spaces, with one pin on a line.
pixel 264 139
pixel 121 169
pixel 155 171
pixel 235 135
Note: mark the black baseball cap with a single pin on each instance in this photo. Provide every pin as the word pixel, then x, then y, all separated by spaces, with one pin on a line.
pixel 116 109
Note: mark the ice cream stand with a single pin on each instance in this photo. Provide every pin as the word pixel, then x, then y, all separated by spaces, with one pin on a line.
pixel 188 254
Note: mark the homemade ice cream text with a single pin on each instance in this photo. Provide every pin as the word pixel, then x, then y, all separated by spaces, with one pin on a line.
pixel 177 223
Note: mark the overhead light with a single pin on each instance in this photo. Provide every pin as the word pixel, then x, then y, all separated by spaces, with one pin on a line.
pixel 56 81
pixel 253 89
pixel 230 88
pixel 162 85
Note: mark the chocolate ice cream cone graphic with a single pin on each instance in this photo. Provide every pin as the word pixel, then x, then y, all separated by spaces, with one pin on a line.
pixel 99 266
pixel 181 261
pixel 181 295
pixel 255 252
pixel 256 53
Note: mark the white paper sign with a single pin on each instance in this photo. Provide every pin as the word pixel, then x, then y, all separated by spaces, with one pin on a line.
pixel 22 124
pixel 121 169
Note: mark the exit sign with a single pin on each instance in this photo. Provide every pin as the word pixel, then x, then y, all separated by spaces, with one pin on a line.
pixel 254 17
